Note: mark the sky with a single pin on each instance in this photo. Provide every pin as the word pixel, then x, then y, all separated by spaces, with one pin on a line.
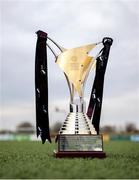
pixel 71 24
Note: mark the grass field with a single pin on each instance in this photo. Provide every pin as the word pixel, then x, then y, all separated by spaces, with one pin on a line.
pixel 34 160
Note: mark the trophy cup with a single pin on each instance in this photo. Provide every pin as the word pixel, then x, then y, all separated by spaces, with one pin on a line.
pixel 79 135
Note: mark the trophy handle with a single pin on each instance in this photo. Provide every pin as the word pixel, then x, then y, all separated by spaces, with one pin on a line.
pixel 53 52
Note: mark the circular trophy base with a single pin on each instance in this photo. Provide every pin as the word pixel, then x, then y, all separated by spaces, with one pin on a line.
pixel 80 154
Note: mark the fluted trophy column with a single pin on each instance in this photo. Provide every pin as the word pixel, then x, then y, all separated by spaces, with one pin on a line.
pixel 77 122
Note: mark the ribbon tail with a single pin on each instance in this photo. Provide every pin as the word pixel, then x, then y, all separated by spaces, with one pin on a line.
pixel 41 88
pixel 95 103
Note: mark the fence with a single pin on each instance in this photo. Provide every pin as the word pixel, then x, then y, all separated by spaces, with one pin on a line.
pixel 106 137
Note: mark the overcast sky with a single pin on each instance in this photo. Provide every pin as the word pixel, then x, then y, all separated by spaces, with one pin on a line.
pixel 70 23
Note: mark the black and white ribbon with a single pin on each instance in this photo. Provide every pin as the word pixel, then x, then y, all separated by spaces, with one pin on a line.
pixel 95 104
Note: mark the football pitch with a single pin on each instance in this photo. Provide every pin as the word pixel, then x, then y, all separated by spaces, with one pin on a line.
pixel 34 160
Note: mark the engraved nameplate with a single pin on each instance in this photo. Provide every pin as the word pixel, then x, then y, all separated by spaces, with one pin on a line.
pixel 80 143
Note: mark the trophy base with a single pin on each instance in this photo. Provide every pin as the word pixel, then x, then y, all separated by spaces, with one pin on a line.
pixel 80 154
pixel 81 145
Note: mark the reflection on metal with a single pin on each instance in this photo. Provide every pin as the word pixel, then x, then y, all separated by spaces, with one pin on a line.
pixel 77 121
pixel 82 142
pixel 75 64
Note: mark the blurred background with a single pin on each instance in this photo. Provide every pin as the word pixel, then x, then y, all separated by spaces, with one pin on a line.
pixel 70 24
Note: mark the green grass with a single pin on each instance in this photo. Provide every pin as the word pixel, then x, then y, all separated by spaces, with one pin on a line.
pixel 34 160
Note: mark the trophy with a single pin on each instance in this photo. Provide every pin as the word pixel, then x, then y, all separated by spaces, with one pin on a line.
pixel 79 135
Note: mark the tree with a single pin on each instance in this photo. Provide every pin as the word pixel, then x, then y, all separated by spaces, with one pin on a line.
pixel 130 127
pixel 25 128
pixel 108 129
